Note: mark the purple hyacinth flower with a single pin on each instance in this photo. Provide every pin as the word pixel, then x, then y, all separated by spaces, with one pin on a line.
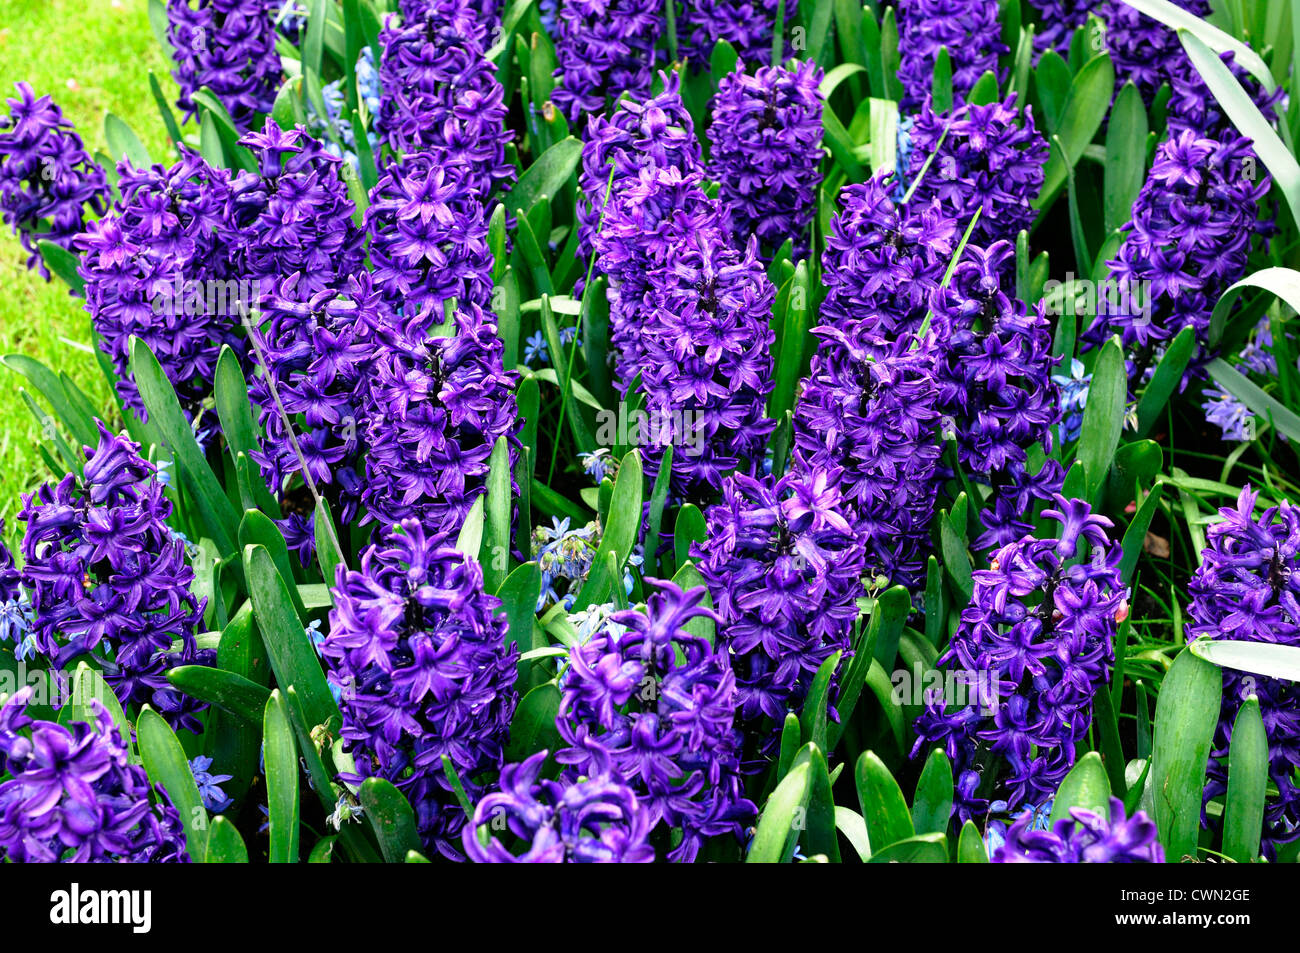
pixel 604 48
pixel 108 578
pixel 658 704
pixel 745 24
pixel 1248 588
pixel 73 795
pixel 47 178
pixel 785 572
pixel 988 158
pixel 161 269
pixel 419 653
pixel 766 139
pixel 440 94
pixel 1084 837
pixel 1034 645
pixel 596 819
pixel 967 29
pixel 434 410
pixel 229 47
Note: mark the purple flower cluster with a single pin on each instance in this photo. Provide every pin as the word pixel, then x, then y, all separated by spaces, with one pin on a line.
pixel 1032 648
pixel 985 157
pixel 434 410
pixel 74 797
pixel 1248 588
pixel 1057 21
pixel 580 820
pixel 420 655
pixel 993 367
pixel 784 571
pixel 745 24
pixel 968 29
pixel 229 47
pixel 868 411
pixel 658 704
pixel 440 93
pixel 47 178
pixel 882 263
pixel 705 363
pixel 108 578
pixel 1188 240
pixel 1085 837
pixel 428 240
pixel 1145 51
pixel 766 140
pixel 160 268
pixel 294 215
pixel 604 48
pixel 317 355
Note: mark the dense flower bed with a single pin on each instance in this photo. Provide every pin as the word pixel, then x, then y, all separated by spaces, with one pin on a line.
pixel 579 431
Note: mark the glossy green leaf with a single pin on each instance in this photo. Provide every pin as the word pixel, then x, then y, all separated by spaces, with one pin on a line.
pixel 620 534
pixel 545 177
pixel 1103 417
pixel 1126 155
pixel 1243 808
pixel 882 803
pixel 1084 108
pixel 123 143
pixel 819 836
pixel 921 849
pixel 495 553
pixel 224 845
pixel 932 805
pixel 166 765
pixel 1086 787
pixel 1281 282
pixel 783 815
pixel 1187 711
pixel 970 845
pixel 62 264
pixel 390 816
pixel 1165 381
pixel 229 691
pixel 533 727
pixel 813 718
pixel 1259 658
pixel 281 754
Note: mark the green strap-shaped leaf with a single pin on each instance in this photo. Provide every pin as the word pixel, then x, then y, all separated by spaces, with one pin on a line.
pixel 1166 379
pixel 620 533
pixel 1084 108
pixel 1283 283
pixel 921 849
pixel 495 553
pixel 932 805
pixel 323 850
pixel 819 836
pixel 1085 787
pixel 812 720
pixel 1243 807
pixel 257 529
pixel 533 727
pixel 1126 156
pixel 218 516
pixel 228 691
pixel 1259 658
pixel 281 781
pixel 883 806
pixel 224 845
pixel 545 177
pixel 1258 402
pixel 1103 417
pixel 292 656
pixel 166 765
pixel 783 815
pixel 970 845
pixel 391 818
pixel 1187 711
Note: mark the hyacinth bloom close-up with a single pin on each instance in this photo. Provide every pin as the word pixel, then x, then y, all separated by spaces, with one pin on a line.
pixel 604 431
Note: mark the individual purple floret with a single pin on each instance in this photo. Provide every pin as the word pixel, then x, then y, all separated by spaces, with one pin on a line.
pixel 47 178
pixel 868 410
pixel 785 573
pixel 294 214
pixel 968 29
pixel 428 240
pixel 161 268
pixel 434 410
pixel 73 796
pixel 883 263
pixel 705 363
pixel 658 703
pixel 766 154
pixel 419 653
pixel 108 577
pixel 1035 644
pixel 1085 837
pixel 745 24
pixel 317 354
pixel 227 46
pixel 1248 588
pixel 1189 239
pixel 989 158
pixel 440 93
pixel 604 48
pixel 595 819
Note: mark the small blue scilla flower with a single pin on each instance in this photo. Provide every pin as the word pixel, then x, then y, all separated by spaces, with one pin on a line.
pixel 16 621
pixel 995 835
pixel 1074 397
pixel 599 464
pixel 535 348
pixel 347 809
pixel 214 799
pixel 564 556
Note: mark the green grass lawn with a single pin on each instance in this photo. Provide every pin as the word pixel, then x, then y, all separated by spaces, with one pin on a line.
pixel 92 57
